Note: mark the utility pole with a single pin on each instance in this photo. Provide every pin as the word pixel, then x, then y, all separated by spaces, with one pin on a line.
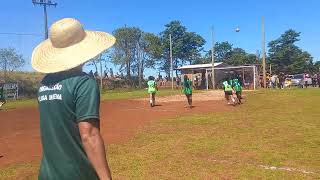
pixel 139 64
pixel 171 61
pixel 212 58
pixel 264 54
pixel 45 3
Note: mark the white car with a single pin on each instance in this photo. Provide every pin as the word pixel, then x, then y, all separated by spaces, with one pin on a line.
pixel 297 80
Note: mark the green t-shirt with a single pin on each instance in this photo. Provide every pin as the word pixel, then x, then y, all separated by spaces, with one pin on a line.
pixel 151 86
pixel 64 101
pixel 187 87
pixel 237 85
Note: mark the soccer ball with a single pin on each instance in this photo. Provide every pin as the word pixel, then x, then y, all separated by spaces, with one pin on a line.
pixel 237 29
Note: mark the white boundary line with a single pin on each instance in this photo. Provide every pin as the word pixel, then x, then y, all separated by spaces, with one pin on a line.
pixel 273 168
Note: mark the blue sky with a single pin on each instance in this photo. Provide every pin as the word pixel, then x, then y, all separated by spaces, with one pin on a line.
pixel 21 16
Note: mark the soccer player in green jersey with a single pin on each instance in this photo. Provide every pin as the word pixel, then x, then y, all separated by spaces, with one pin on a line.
pixel 187 89
pixel 238 88
pixel 227 87
pixel 152 89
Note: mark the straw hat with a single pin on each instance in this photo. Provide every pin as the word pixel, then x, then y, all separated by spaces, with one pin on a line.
pixel 69 46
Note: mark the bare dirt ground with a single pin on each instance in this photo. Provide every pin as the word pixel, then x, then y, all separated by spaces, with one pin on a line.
pixel 203 96
pixel 120 120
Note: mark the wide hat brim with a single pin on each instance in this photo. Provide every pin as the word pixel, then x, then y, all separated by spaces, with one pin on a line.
pixel 48 59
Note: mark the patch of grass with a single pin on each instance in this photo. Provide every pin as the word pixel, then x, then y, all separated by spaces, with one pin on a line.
pixel 26 171
pixel 273 128
pixel 22 103
pixel 106 95
pixel 135 93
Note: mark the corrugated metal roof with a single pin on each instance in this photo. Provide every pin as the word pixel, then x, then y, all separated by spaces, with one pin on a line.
pixel 199 66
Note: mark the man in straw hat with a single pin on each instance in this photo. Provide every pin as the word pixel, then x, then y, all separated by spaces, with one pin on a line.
pixel 69 103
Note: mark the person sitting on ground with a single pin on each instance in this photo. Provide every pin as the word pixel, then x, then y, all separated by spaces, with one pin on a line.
pixel 187 89
pixel 69 101
pixel 152 89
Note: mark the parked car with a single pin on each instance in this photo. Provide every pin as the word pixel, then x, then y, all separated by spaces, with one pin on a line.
pixel 297 80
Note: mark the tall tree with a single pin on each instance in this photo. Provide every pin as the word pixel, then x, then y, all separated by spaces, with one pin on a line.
pixel 186 46
pixel 285 56
pixel 10 59
pixel 124 50
pixel 222 51
pixel 135 50
pixel 151 50
pixel 193 46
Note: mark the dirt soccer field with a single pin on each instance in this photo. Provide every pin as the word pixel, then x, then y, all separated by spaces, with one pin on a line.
pixel 120 120
pixel 273 135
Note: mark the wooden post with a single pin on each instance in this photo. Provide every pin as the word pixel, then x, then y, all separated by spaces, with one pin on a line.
pixel 264 55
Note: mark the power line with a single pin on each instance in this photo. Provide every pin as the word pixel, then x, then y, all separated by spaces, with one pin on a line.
pixel 20 34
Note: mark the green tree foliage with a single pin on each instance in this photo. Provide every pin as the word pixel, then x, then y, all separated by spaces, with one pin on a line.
pixel 224 52
pixel 135 50
pixel 151 49
pixel 286 57
pixel 10 59
pixel 186 46
pixel 317 66
pixel 124 50
pixel 237 57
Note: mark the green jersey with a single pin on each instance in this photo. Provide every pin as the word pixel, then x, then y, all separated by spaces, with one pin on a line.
pixel 187 87
pixel 152 86
pixel 64 101
pixel 237 85
pixel 227 86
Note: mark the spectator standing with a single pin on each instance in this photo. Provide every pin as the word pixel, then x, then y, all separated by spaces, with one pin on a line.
pixel 282 79
pixel 305 80
pixel 69 101
pixel 318 79
pixel 314 80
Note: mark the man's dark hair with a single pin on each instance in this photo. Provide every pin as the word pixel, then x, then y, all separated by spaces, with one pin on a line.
pixel 151 78
pixel 185 77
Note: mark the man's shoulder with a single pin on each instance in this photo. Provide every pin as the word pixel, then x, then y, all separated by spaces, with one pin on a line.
pixel 59 77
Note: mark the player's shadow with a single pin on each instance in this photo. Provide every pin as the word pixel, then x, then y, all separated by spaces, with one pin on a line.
pixel 157 105
pixel 190 107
